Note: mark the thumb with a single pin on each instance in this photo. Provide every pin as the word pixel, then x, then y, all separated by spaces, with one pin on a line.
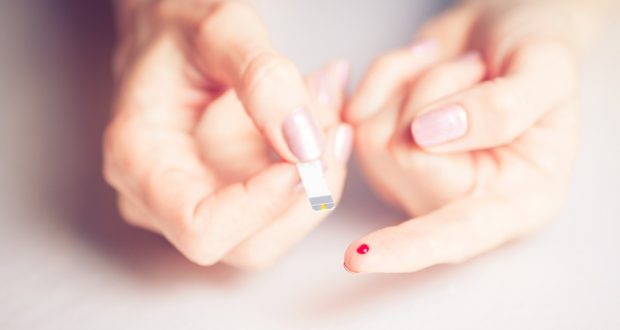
pixel 236 50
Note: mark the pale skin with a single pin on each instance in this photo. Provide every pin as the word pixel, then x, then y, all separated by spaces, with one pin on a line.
pixel 511 69
pixel 194 163
pixel 196 153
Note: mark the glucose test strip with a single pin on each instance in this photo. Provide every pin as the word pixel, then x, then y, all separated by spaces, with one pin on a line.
pixel 313 179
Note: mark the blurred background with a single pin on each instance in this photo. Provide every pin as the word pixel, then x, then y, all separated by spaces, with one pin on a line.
pixel 68 261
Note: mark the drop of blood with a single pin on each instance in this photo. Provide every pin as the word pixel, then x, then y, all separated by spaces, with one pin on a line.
pixel 363 249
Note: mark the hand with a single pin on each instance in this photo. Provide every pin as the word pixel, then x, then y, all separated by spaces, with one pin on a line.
pixel 203 100
pixel 472 131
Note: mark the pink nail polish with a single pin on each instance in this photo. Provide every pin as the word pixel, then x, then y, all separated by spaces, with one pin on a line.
pixel 472 55
pixel 424 47
pixel 342 70
pixel 343 143
pixel 439 126
pixel 323 89
pixel 303 135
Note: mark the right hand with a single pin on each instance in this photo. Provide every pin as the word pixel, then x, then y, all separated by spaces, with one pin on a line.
pixel 202 100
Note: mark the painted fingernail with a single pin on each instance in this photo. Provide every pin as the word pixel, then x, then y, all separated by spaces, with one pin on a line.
pixel 343 143
pixel 303 136
pixel 363 249
pixel 472 55
pixel 323 89
pixel 342 69
pixel 424 47
pixel 331 80
pixel 439 126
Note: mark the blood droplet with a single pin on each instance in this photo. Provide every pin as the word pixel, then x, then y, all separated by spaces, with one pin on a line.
pixel 363 249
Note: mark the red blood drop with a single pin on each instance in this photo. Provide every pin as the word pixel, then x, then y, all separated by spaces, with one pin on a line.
pixel 363 249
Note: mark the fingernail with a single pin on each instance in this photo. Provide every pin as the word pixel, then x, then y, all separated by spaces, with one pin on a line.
pixel 472 55
pixel 323 89
pixel 440 126
pixel 332 80
pixel 303 136
pixel 342 69
pixel 424 47
pixel 343 143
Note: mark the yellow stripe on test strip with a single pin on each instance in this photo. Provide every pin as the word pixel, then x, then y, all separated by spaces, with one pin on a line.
pixel 315 185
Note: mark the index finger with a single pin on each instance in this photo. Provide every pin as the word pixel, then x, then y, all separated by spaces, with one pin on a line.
pixel 236 50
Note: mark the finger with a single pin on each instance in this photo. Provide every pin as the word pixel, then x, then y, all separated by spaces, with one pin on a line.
pixel 443 80
pixel 204 223
pixel 135 213
pixel 236 50
pixel 327 90
pixel 452 29
pixel 386 76
pixel 497 111
pixel 441 39
pixel 151 153
pixel 432 180
pixel 452 234
pixel 267 245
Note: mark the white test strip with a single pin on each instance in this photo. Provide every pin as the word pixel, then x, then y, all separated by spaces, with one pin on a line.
pixel 313 179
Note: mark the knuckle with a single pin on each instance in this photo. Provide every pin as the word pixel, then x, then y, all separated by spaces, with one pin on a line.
pixel 119 148
pixel 265 66
pixel 200 256
pixel 149 185
pixel 196 247
pixel 128 212
pixel 218 18
pixel 504 108
pixel 194 240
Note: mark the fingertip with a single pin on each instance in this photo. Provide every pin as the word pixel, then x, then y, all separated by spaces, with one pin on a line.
pixel 327 89
pixel 389 250
pixel 343 143
pixel 361 256
pixel 440 126
pixel 425 48
pixel 351 112
pixel 341 71
pixel 344 265
pixel 385 77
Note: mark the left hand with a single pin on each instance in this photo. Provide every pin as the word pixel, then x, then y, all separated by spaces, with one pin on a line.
pixel 472 130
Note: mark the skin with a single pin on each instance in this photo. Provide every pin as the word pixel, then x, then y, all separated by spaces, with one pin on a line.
pixel 512 66
pixel 196 153
pixel 191 149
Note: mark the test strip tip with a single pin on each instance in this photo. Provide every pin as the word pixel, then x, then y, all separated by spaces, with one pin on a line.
pixel 314 182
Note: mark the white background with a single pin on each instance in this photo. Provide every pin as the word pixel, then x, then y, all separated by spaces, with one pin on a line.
pixel 67 261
